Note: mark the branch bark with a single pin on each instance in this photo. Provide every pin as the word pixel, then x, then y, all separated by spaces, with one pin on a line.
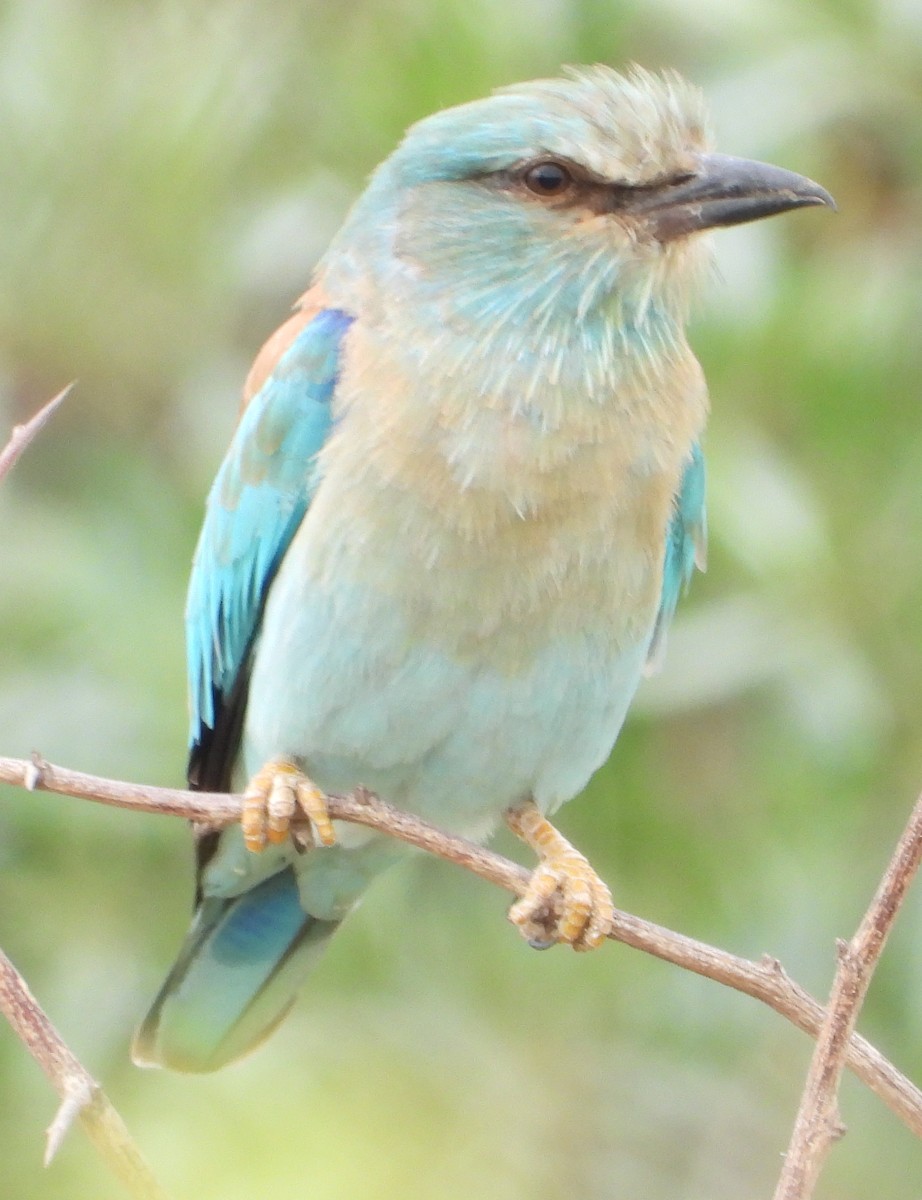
pixel 81 1096
pixel 765 980
pixel 818 1123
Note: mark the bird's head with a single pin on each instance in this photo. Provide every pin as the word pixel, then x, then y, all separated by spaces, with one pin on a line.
pixel 565 198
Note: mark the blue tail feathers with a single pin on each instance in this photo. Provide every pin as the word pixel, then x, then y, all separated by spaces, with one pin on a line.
pixel 236 976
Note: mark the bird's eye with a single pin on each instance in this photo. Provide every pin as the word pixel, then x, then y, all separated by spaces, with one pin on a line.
pixel 548 179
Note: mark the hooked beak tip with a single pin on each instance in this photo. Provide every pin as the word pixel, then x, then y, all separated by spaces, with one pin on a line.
pixel 727 191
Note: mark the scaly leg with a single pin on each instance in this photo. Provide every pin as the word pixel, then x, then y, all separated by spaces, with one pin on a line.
pixel 273 796
pixel 566 901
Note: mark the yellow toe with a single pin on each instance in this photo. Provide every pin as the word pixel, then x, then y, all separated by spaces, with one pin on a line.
pixel 565 901
pixel 273 798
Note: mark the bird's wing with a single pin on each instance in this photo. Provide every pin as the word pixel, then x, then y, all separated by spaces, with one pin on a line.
pixel 686 548
pixel 256 503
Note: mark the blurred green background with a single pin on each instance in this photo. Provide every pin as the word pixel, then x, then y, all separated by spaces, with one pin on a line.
pixel 169 172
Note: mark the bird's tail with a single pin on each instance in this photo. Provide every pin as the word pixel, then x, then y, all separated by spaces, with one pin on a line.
pixel 236 977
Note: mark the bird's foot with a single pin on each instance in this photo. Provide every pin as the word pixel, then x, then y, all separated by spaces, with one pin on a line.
pixel 277 793
pixel 566 901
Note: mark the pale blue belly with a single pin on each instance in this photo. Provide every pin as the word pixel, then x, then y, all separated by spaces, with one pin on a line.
pixel 340 682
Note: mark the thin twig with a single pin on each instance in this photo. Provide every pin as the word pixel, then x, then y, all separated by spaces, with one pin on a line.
pixel 818 1122
pixel 764 980
pixel 23 434
pixel 81 1096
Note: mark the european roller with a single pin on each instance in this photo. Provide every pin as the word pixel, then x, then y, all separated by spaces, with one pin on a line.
pixel 460 503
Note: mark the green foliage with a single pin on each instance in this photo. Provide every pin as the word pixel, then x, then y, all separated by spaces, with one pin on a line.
pixel 169 173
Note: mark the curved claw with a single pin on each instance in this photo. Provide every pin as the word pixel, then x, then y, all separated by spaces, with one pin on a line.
pixel 274 796
pixel 566 901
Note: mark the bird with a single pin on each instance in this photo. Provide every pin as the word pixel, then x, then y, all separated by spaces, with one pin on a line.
pixel 461 501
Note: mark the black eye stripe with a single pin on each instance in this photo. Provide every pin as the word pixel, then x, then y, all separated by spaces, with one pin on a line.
pixel 577 185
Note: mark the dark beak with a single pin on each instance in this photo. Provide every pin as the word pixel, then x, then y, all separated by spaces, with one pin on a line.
pixel 723 191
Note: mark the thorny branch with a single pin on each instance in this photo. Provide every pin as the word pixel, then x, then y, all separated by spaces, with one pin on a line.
pixel 81 1096
pixel 23 434
pixel 764 980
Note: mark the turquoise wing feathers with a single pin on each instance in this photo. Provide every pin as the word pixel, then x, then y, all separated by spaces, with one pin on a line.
pixel 686 547
pixel 257 502
pixel 246 953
